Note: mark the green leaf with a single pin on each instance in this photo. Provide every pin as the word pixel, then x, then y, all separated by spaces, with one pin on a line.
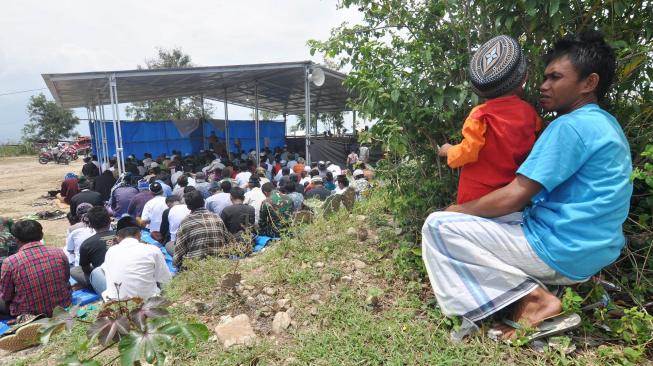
pixel 190 333
pixel 48 331
pixel 554 6
pixel 150 344
pixel 394 95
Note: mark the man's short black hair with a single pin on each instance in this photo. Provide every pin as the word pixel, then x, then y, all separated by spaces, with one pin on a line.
pixel 267 187
pixel 589 53
pixel 237 193
pixel 194 200
pixel 126 221
pixel 226 186
pixel 98 218
pixel 188 189
pixel 289 187
pixel 172 199
pixel 182 181
pixel 285 171
pixel 343 179
pixel 128 232
pixel 27 231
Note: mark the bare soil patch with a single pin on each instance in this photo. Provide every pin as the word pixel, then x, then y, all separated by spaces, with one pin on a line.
pixel 23 181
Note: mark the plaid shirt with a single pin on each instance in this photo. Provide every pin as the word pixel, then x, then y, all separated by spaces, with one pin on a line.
pixel 35 280
pixel 200 234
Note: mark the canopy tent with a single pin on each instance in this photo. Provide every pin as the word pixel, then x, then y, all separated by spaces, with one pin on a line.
pixel 284 88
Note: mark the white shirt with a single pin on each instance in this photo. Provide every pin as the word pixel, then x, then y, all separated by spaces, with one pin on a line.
pixel 243 178
pixel 175 215
pixel 174 176
pixel 278 176
pixel 74 241
pixel 334 169
pixel 218 202
pixel 305 180
pixel 255 198
pixel 137 267
pixel 153 212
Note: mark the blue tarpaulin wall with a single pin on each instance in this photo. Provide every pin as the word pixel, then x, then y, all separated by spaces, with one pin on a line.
pixel 161 137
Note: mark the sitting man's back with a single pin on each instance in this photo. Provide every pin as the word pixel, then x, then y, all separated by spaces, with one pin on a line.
pixel 132 268
pixel 200 234
pixel 34 280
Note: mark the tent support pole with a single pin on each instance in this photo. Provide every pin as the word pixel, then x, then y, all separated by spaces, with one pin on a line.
pixel 256 127
pixel 105 142
pixel 101 138
pixel 353 124
pixel 113 91
pixel 96 140
pixel 226 125
pixel 205 142
pixel 307 113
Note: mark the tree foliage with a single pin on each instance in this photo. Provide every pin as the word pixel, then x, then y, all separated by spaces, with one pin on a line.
pixel 331 121
pixel 408 68
pixel 169 108
pixel 264 115
pixel 48 121
pixel 409 63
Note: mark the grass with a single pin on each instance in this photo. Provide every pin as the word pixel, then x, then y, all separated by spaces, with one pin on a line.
pixel 17 150
pixel 335 322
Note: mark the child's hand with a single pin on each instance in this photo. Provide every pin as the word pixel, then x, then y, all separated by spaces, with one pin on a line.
pixel 444 149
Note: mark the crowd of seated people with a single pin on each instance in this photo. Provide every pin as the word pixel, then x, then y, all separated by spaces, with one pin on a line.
pixel 192 205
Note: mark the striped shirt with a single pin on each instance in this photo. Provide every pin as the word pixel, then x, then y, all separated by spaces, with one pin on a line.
pixel 35 280
pixel 200 234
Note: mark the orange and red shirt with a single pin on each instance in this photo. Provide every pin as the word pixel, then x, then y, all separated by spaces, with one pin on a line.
pixel 497 137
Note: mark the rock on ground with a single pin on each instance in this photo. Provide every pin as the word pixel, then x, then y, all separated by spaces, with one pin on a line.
pixel 235 331
pixel 281 322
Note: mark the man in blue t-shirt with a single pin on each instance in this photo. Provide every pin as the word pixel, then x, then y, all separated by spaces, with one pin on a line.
pixel 559 221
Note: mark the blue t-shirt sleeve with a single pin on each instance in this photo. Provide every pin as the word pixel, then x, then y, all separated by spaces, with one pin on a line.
pixel 556 156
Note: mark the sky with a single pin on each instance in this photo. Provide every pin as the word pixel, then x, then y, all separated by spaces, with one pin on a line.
pixel 62 36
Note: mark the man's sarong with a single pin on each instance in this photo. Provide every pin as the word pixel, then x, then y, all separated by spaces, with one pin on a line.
pixel 478 266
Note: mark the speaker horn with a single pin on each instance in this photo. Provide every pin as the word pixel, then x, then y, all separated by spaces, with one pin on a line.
pixel 317 76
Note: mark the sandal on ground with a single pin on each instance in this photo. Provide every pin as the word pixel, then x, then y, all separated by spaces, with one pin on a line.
pixel 25 337
pixel 549 327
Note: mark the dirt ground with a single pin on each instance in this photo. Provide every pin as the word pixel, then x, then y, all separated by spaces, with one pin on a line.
pixel 23 182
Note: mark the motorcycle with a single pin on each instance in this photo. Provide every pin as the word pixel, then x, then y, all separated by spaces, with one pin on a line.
pixel 71 150
pixel 47 156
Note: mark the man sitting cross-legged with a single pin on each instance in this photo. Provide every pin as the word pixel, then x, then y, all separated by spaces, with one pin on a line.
pixel 577 181
pixel 35 279
pixel 133 268
pixel 201 233
pixel 239 216
pixel 93 250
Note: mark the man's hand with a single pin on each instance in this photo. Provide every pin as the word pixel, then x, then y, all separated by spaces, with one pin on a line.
pixel 505 200
pixel 442 151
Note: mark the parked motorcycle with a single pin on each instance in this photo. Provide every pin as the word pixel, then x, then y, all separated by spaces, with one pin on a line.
pixel 46 156
pixel 71 150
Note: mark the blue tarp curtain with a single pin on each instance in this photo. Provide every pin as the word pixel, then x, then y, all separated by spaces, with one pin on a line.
pixel 161 137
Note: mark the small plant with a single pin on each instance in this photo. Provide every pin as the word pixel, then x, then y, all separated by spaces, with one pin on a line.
pixel 141 330
pixel 571 301
pixel 635 326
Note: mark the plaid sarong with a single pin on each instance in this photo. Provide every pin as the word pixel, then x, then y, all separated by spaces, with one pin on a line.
pixel 478 266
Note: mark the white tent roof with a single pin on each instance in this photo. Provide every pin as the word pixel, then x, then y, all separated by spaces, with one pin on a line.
pixel 280 86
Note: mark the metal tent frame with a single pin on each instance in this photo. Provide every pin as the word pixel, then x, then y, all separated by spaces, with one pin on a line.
pixel 284 88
